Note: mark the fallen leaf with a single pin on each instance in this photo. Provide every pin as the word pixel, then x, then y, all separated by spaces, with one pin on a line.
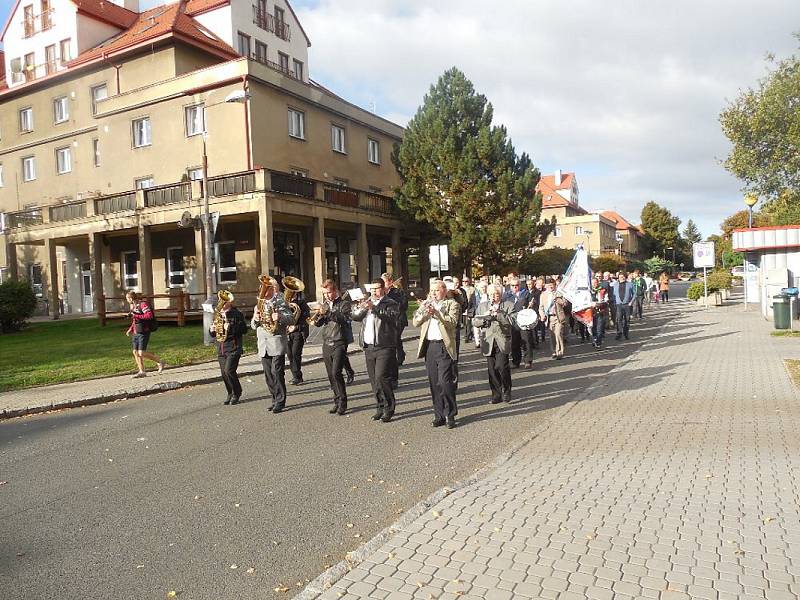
pixel 197 497
pixel 234 566
pixel 739 552
pixel 280 588
pixel 404 443
pixel 20 554
pixel 436 513
pixel 172 594
pixel 3 482
pixel 141 439
pixel 709 475
pixel 358 535
pixel 237 505
pixel 768 519
pixel 350 525
pixel 420 584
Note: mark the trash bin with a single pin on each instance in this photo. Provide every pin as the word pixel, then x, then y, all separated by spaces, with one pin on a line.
pixel 780 311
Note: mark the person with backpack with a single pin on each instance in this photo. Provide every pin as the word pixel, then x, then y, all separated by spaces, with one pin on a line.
pixel 143 323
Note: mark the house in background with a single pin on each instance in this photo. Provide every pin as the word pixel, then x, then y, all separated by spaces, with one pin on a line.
pixel 629 238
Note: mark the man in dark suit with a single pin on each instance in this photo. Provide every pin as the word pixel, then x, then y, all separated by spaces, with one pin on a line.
pixel 494 319
pixel 297 335
pixel 399 296
pixel 229 349
pixel 520 297
pixel 337 333
pixel 622 293
pixel 379 315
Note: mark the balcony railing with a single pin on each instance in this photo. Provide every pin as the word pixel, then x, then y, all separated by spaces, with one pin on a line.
pixel 116 203
pixel 29 23
pixel 377 203
pixel 232 185
pixel 167 194
pixel 65 212
pixel 293 184
pixel 267 22
pixel 342 196
pixel 24 218
pixel 305 187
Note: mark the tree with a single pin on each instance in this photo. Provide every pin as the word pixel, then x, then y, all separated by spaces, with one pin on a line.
pixel 691 233
pixel 17 304
pixel 660 228
pixel 763 125
pixel 783 210
pixel 607 262
pixel 552 261
pixel 657 265
pixel 462 176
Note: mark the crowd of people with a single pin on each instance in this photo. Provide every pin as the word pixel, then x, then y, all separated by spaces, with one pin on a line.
pixel 507 318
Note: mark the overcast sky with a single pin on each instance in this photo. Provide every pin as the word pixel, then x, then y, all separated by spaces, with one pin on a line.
pixel 624 93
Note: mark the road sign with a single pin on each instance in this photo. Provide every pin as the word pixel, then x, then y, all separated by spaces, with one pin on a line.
pixel 703 254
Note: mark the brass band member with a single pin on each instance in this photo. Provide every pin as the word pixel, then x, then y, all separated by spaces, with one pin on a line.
pixel 333 316
pixel 271 317
pixel 379 315
pixel 297 335
pixel 438 318
pixel 494 319
pixel 229 345
pixel 396 293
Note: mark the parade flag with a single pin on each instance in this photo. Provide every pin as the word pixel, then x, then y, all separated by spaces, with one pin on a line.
pixel 576 286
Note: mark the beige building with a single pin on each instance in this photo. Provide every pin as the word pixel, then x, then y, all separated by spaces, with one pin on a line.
pixel 101 155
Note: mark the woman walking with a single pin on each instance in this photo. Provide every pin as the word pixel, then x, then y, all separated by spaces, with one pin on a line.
pixel 142 316
pixel 663 286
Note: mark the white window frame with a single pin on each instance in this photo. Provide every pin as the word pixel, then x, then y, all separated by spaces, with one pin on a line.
pixel 96 152
pixel 61 45
pixel 297 69
pixel 192 171
pixel 137 183
pixel 373 156
pixel 221 269
pixel 579 230
pixel 297 118
pixel 26 119
pixel 63 166
pixel 191 115
pixel 143 127
pixel 557 231
pixel 60 109
pixel 95 98
pixel 123 269
pixel 338 142
pixel 171 273
pixel 28 172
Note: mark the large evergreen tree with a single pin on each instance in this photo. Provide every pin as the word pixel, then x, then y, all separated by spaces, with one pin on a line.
pixel 691 233
pixel 461 175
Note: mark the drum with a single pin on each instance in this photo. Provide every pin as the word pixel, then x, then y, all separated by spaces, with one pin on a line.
pixel 527 319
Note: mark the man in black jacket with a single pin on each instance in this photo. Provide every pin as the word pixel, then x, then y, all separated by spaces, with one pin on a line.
pixel 297 335
pixel 379 315
pixel 334 318
pixel 229 350
pixel 399 296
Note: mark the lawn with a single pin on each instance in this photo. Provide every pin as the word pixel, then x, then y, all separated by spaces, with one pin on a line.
pixel 794 371
pixel 72 350
pixel 785 333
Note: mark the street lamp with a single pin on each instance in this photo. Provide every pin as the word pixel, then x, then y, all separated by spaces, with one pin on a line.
pixel 750 200
pixel 236 97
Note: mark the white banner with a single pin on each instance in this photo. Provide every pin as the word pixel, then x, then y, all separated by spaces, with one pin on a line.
pixel 577 281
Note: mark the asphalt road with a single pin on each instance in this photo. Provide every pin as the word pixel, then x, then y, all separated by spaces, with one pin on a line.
pixel 175 492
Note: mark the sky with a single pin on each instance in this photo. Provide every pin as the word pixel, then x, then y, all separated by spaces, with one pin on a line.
pixel 626 94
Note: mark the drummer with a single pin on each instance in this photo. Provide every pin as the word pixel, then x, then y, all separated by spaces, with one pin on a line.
pixel 527 320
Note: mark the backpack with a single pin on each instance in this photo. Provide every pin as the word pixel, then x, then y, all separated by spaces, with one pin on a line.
pixel 153 321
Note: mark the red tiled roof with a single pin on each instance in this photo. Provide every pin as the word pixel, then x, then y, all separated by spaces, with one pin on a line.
pixel 621 222
pixel 550 196
pixel 107 11
pixel 195 7
pixel 550 181
pixel 161 21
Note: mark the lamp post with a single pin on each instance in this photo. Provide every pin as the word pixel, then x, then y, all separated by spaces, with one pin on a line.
pixel 673 254
pixel 750 200
pixel 236 97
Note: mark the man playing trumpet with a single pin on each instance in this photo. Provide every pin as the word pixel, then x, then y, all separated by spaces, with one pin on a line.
pixel 271 317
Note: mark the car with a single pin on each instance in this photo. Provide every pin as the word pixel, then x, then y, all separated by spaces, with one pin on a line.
pixel 686 275
pixel 737 271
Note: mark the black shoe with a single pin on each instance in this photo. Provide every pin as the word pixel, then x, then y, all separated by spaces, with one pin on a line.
pixel 377 416
pixel 228 401
pixel 438 422
pixel 235 400
pixel 294 382
pixel 496 401
pixel 351 377
pixel 507 398
pixel 451 423
pixel 333 410
pixel 386 418
pixel 342 410
pixel 277 409
pixel 559 357
pixel 554 355
pixel 618 337
pixel 271 408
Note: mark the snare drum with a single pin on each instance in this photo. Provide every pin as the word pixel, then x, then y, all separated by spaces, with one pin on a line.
pixel 527 319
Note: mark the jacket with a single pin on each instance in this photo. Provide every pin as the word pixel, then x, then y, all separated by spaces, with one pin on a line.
pixel 401 298
pixel 301 327
pixel 448 317
pixel 558 303
pixel 336 327
pixel 141 316
pixel 270 344
pixel 387 315
pixel 626 297
pixel 639 287
pixel 237 327
pixel 663 282
pixel 496 329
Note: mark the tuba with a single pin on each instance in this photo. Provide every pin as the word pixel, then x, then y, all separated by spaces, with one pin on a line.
pixel 264 312
pixel 220 323
pixel 293 287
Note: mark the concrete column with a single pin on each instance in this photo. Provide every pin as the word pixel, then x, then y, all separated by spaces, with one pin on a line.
pixel 424 266
pixel 145 261
pixel 200 264
pixel 318 250
pixel 362 254
pixel 397 255
pixel 52 276
pixel 266 241
pixel 96 266
pixel 12 261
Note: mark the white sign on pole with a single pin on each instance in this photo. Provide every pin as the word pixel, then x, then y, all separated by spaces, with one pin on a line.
pixel 439 258
pixel 703 255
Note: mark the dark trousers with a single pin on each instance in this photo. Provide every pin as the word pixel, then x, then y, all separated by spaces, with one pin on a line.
pixel 276 383
pixel 528 343
pixel 400 356
pixel 468 329
pixel 334 357
pixel 516 346
pixel 346 364
pixel 295 351
pixel 540 330
pixel 440 379
pixel 228 363
pixel 499 375
pixel 599 328
pixel 665 295
pixel 622 318
pixel 638 302
pixel 381 363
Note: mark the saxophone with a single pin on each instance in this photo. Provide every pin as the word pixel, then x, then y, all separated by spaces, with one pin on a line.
pixel 220 323
pixel 263 311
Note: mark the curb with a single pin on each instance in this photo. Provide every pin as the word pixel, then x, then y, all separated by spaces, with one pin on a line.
pixel 156 388
pixel 323 582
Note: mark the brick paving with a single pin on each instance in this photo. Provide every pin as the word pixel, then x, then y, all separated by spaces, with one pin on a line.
pixel 675 477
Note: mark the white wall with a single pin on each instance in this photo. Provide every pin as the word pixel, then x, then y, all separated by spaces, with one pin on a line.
pixel 91 32
pixel 219 22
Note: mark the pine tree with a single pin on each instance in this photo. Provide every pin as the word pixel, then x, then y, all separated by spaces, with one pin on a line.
pixel 691 233
pixel 462 176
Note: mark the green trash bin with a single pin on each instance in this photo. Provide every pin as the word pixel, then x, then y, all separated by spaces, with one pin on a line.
pixel 780 311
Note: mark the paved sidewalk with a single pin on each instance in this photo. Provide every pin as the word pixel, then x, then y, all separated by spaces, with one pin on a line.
pixel 107 389
pixel 677 476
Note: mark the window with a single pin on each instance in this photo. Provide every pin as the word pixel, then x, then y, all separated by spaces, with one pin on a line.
pixel 30 67
pixel 47 22
pixel 50 59
pixel 175 277
pixel 261 52
pixel 26 120
pixel 298 172
pixel 1 174
pixel 195 173
pixel 61 109
pixel 96 151
pixel 337 138
pixel 63 160
pixel 28 168
pixel 281 29
pixel 373 151
pixel 557 232
pixel 298 69
pixel 226 262
pixel 141 132
pixel 130 270
pixel 143 182
pixel 35 278
pixel 578 230
pixel 283 62
pixel 195 120
pixel 66 53
pixel 28 16
pixel 99 93
pixel 244 44
pixel 297 124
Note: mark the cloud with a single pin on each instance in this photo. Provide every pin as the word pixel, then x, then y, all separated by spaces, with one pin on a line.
pixel 624 93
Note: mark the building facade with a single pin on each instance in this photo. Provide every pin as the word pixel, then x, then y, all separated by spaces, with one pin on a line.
pixel 101 159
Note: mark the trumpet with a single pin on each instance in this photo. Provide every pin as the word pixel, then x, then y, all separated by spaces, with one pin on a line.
pixel 318 309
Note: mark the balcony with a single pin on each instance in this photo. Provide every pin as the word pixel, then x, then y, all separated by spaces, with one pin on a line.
pixel 267 22
pixel 232 185
pixel 67 212
pixel 29 23
pixel 24 218
pixel 277 67
pixel 286 183
pixel 115 203
pixel 167 194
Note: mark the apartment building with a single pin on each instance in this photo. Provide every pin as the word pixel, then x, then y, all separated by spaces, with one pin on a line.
pixel 630 239
pixel 102 148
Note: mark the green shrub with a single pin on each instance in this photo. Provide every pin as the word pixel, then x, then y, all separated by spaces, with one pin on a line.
pixel 695 291
pixel 719 280
pixel 17 304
